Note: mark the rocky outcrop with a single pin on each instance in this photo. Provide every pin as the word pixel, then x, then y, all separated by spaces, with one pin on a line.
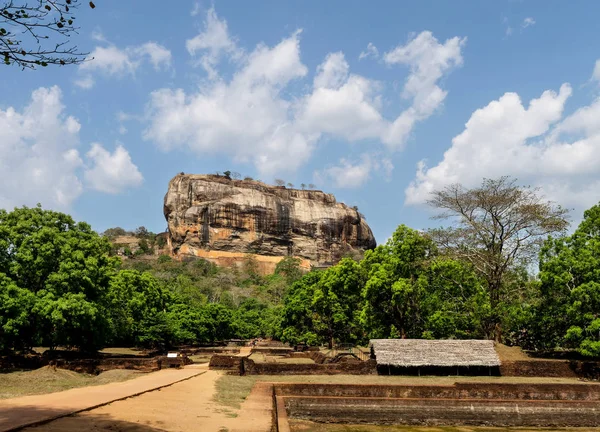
pixel 223 220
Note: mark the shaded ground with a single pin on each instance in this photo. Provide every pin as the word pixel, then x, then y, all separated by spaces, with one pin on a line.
pixel 306 426
pixel 50 380
pixel 232 390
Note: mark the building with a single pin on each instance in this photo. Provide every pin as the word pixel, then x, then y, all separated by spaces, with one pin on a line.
pixel 435 357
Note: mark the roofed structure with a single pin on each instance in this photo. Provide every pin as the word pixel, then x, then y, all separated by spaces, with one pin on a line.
pixel 437 353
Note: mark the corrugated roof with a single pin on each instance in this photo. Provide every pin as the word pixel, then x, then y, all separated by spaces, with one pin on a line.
pixel 421 352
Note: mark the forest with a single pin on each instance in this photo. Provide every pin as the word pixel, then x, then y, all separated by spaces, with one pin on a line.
pixel 506 268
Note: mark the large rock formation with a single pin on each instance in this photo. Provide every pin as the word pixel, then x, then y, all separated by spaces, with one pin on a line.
pixel 223 220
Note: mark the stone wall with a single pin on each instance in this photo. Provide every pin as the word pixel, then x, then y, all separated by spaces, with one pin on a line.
pixel 543 405
pixel 359 368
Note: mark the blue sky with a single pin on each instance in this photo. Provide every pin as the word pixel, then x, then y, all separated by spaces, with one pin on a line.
pixel 376 103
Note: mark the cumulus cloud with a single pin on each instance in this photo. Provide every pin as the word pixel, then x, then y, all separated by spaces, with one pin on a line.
pixel 254 115
pixel 370 52
pixel 349 174
pixel 533 143
pixel 213 41
pixel 111 173
pixel 39 160
pixel 113 61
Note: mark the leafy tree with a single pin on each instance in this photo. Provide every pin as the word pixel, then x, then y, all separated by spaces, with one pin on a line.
pixel 67 268
pixel 395 284
pixel 498 226
pixel 289 267
pixel 227 174
pixel 570 289
pixel 37 33
pixel 17 323
pixel 312 186
pixel 290 185
pixel 141 232
pixel 111 233
pixel 324 306
pixel 303 186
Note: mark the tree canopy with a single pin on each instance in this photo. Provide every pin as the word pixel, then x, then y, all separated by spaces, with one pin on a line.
pixel 497 227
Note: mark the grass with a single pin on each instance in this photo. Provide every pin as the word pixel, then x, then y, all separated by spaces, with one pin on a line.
pixel 50 380
pixel 306 426
pixel 232 390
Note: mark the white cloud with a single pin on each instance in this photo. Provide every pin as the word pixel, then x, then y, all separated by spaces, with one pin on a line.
pixel 350 174
pixel 85 82
pixel 158 55
pixel 509 31
pixel 255 117
pixel 111 173
pixel 527 22
pixel 370 51
pixel 214 41
pixel 39 160
pixel 531 143
pixel 113 61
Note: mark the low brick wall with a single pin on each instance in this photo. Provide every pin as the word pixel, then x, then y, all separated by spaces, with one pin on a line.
pixel 272 351
pixel 446 412
pixel 543 405
pixel 552 368
pixel 250 367
pixel 506 391
pixel 226 362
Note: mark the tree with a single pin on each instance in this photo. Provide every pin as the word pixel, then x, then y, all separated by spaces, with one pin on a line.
pixel 325 306
pixel 498 226
pixel 290 185
pixel 66 266
pixel 141 232
pixel 227 174
pixel 28 31
pixel 570 289
pixel 236 175
pixel 111 233
pixel 312 186
pixel 412 292
pixel 279 182
pixel 303 186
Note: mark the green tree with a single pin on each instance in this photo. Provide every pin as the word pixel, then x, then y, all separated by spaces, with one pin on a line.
pixel 498 226
pixel 325 306
pixel 396 280
pixel 67 268
pixel 570 289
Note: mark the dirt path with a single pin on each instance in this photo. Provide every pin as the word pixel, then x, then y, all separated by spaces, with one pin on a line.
pixel 185 406
pixel 22 411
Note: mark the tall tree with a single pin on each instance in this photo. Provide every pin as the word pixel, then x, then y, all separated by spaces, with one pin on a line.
pixel 497 227
pixel 36 33
pixel 570 289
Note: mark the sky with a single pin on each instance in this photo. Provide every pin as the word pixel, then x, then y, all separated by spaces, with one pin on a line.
pixel 378 103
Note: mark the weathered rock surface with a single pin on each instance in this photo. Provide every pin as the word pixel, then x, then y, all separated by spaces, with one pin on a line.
pixel 223 220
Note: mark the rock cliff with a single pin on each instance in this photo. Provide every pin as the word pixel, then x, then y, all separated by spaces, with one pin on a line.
pixel 223 220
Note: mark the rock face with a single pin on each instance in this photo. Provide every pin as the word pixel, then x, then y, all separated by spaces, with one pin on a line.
pixel 223 220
